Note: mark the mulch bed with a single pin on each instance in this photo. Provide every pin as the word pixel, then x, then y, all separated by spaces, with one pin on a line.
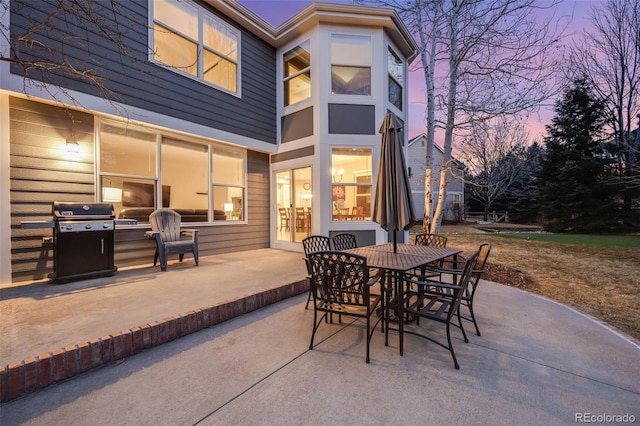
pixel 507 276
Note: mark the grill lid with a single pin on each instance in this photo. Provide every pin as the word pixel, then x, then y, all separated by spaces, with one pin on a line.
pixel 83 211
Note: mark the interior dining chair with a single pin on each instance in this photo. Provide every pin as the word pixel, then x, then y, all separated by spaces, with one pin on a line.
pixel 313 244
pixel 344 242
pixel 284 218
pixel 165 228
pixel 341 284
pixel 437 301
pixel 301 219
pixel 478 270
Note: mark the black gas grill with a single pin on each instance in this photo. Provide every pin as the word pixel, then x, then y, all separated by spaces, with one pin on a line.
pixel 83 240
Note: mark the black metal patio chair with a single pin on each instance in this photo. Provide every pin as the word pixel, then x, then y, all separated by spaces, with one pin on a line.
pixel 434 240
pixel 436 301
pixel 341 285
pixel 313 244
pixel 344 242
pixel 478 269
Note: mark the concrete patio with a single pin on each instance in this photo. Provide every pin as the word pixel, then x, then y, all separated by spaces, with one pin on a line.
pixel 537 361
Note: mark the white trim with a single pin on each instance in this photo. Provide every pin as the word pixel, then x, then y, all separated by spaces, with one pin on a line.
pixel 5 201
pixel 5 210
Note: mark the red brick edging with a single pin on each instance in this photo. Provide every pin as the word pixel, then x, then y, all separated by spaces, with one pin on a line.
pixel 31 374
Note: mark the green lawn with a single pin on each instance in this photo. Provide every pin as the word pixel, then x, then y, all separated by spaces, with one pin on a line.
pixel 623 241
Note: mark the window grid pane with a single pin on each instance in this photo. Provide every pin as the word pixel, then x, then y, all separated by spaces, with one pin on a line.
pixel 219 71
pixel 181 16
pixel 297 74
pixel 220 39
pixel 175 50
pixel 350 80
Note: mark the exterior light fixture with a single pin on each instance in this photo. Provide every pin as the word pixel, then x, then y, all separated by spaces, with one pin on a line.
pixel 73 147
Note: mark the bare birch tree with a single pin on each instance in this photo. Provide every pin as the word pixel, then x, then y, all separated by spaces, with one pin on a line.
pixel 43 53
pixel 481 59
pixel 608 56
pixel 494 154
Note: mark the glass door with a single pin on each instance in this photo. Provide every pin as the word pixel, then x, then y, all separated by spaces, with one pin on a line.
pixel 293 204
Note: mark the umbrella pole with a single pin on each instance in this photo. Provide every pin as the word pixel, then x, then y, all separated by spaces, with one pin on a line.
pixel 395 246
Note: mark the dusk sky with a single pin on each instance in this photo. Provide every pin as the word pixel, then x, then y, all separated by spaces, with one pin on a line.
pixel 277 12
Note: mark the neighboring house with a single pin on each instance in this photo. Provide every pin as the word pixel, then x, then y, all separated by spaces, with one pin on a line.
pixel 416 161
pixel 212 112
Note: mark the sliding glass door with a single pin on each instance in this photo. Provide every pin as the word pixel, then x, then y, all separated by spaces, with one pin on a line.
pixel 293 204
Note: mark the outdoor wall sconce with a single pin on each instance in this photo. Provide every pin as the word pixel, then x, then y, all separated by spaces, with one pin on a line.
pixel 339 177
pixel 73 147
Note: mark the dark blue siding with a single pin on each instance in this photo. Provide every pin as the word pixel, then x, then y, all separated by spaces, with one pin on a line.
pixel 130 78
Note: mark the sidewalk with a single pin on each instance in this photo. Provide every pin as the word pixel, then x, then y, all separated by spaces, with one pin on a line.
pixel 537 361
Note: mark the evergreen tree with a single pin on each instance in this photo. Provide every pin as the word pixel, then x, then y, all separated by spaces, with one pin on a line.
pixel 521 201
pixel 572 190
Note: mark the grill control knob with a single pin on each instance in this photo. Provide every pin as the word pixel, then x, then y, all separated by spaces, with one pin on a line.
pixel 87 226
pixel 105 225
pixel 69 227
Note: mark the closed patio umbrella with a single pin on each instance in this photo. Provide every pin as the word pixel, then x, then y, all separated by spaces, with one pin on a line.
pixel 393 204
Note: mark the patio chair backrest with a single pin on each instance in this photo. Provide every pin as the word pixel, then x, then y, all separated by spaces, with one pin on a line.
pixel 339 278
pixel 478 268
pixel 315 243
pixel 167 223
pixel 344 242
pixel 433 240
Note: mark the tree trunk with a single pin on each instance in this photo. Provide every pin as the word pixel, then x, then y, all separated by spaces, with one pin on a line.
pixel 451 114
pixel 429 64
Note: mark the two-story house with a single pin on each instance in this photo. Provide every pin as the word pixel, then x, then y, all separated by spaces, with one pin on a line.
pixel 258 136
pixel 453 210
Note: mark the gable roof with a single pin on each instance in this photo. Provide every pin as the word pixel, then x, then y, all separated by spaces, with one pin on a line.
pixel 321 12
pixel 424 136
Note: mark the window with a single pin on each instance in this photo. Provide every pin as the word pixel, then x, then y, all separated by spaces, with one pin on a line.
pixel 128 167
pixel 396 79
pixel 351 183
pixel 185 167
pixel 350 65
pixel 131 172
pixel 189 39
pixel 228 182
pixel 297 74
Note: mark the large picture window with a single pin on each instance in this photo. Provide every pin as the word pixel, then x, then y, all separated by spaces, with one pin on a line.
pixel 351 177
pixel 193 176
pixel 350 64
pixel 297 74
pixel 193 41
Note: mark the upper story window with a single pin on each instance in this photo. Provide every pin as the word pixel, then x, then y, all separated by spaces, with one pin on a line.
pixel 396 78
pixel 350 64
pixel 190 39
pixel 297 74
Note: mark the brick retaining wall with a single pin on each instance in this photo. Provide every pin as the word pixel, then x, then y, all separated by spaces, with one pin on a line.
pixel 31 374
